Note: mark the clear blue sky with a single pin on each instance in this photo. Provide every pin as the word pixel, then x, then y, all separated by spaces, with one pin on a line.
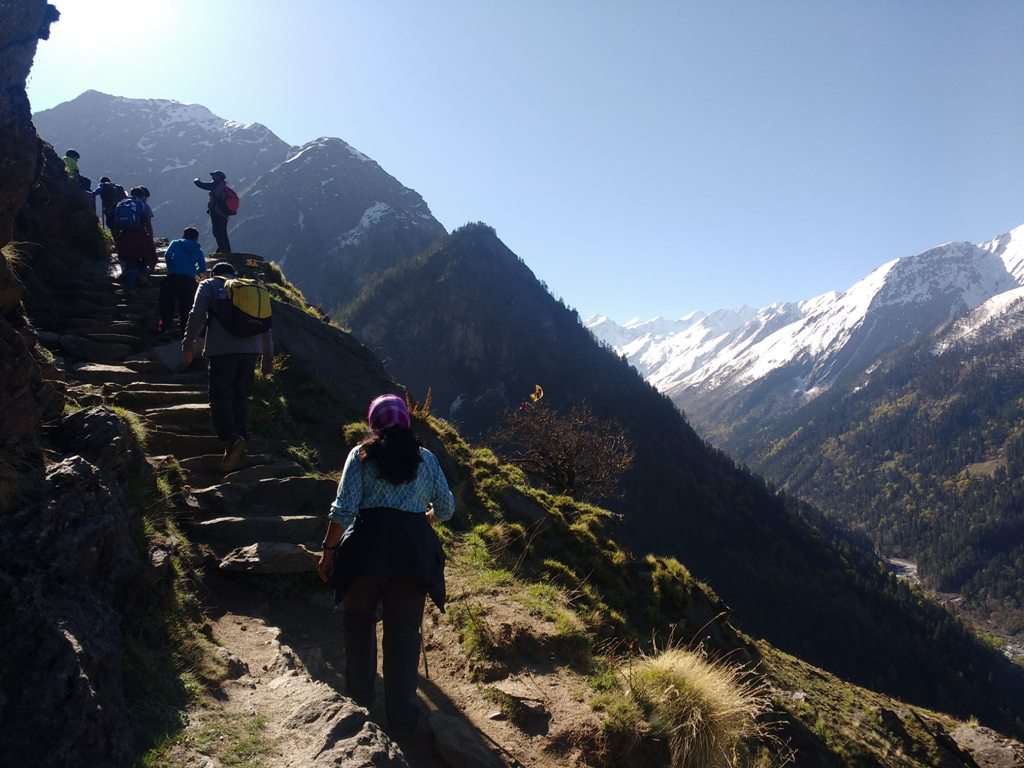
pixel 643 158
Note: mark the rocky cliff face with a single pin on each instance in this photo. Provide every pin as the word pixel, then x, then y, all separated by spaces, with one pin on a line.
pixel 69 564
pixel 67 558
pixel 25 23
pixel 23 396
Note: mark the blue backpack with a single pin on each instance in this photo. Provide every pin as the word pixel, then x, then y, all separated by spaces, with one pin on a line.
pixel 128 215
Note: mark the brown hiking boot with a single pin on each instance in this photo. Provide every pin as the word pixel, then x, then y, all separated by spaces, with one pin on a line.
pixel 232 455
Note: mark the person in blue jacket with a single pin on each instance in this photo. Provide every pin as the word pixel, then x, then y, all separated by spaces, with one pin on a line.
pixel 185 260
pixel 382 550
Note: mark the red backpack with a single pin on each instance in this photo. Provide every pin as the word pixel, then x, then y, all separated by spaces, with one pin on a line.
pixel 230 200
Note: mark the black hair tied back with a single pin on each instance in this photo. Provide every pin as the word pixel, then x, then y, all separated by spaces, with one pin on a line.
pixel 395 452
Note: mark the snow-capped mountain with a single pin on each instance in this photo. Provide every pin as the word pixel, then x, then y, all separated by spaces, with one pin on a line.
pixel 327 212
pixel 782 355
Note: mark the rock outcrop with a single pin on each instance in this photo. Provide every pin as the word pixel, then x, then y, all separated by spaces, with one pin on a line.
pixel 67 564
pixel 25 23
pixel 23 398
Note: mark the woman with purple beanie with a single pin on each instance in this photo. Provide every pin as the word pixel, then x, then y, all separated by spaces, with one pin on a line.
pixel 380 549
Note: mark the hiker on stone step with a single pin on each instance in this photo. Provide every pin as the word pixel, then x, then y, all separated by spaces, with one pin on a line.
pixel 133 235
pixel 150 263
pixel 71 158
pixel 382 550
pixel 110 194
pixel 217 208
pixel 232 362
pixel 185 260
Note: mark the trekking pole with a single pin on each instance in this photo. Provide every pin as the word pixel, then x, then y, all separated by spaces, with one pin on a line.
pixel 423 649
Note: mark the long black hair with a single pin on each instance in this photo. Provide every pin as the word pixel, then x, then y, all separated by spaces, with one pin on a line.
pixel 394 451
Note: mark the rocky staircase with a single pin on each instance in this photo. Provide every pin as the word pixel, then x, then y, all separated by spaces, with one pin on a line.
pixel 269 515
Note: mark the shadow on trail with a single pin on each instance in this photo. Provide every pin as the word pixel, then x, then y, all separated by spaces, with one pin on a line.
pixel 302 609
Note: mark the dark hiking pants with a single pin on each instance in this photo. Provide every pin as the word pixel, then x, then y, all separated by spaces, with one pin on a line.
pixel 220 233
pixel 403 612
pixel 176 291
pixel 231 378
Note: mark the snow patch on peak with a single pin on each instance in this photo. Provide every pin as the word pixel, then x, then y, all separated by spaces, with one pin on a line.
pixel 981 319
pixel 370 217
pixel 328 142
pixel 1009 247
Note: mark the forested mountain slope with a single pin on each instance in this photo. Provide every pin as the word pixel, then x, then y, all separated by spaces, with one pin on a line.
pixel 926 460
pixel 470 322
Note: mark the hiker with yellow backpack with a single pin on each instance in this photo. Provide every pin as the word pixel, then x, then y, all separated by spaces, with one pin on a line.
pixel 235 312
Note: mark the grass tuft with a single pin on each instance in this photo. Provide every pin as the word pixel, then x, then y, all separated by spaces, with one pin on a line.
pixel 135 423
pixel 702 710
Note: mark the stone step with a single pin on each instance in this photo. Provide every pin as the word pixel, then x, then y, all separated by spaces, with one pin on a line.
pixel 84 325
pixel 146 365
pixel 271 557
pixel 274 469
pixel 267 497
pixel 93 351
pixel 112 338
pixel 295 494
pixel 98 373
pixel 221 500
pixel 209 464
pixel 87 298
pixel 156 398
pixel 144 386
pixel 197 427
pixel 115 307
pixel 181 446
pixel 183 415
pixel 228 533
pixel 105 317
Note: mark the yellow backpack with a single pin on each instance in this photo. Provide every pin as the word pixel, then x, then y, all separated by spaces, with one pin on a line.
pixel 243 307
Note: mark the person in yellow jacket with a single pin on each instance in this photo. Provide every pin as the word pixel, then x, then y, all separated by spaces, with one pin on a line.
pixel 71 158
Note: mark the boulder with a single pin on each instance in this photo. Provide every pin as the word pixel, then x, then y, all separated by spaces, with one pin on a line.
pixel 350 370
pixel 988 748
pixel 342 735
pixel 105 439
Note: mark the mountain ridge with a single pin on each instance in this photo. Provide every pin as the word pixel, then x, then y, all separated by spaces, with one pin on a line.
pixel 818 341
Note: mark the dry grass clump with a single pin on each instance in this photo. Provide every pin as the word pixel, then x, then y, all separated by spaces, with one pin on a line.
pixel 703 710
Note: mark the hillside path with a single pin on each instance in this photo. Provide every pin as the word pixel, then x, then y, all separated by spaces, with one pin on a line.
pixel 282 639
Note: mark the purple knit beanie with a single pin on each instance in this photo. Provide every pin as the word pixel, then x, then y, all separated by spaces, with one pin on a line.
pixel 388 411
